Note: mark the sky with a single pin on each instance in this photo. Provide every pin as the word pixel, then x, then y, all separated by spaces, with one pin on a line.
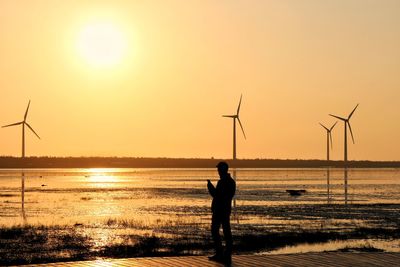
pixel 153 78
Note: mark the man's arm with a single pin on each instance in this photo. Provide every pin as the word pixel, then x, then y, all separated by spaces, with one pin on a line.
pixel 211 188
pixel 233 189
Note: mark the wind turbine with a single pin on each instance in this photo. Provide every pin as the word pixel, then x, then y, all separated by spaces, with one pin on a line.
pixel 328 139
pixel 23 123
pixel 236 117
pixel 346 122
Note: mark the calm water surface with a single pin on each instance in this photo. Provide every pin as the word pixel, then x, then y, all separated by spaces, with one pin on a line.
pixel 175 202
pixel 69 196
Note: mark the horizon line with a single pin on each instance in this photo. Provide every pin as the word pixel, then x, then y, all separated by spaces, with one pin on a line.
pixel 189 158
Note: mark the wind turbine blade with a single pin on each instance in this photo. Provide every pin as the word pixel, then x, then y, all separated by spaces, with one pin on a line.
pixel 330 137
pixel 32 130
pixel 351 132
pixel 351 114
pixel 238 109
pixel 337 117
pixel 324 126
pixel 229 116
pixel 241 127
pixel 17 123
pixel 26 112
pixel 332 126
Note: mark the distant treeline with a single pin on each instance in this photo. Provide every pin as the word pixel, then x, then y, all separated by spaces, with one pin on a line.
pixel 116 162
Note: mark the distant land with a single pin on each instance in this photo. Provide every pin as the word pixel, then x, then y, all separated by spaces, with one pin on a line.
pixel 137 162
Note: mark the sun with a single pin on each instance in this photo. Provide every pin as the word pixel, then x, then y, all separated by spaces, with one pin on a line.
pixel 101 44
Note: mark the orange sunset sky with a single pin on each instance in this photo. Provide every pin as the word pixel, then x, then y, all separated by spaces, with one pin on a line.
pixel 153 78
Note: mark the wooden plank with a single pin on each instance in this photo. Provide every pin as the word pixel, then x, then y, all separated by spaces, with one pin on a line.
pixel 193 261
pixel 385 258
pixel 309 260
pixel 180 261
pixel 343 259
pixel 153 262
pixel 203 261
pixel 393 257
pixel 367 261
pixel 290 260
pixel 360 260
pixel 284 260
pixel 253 260
pixel 242 262
pixel 328 259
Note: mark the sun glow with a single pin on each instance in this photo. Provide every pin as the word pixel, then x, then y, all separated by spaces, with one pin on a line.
pixel 101 177
pixel 101 44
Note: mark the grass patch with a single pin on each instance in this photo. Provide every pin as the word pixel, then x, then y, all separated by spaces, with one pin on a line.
pixel 278 226
pixel 40 244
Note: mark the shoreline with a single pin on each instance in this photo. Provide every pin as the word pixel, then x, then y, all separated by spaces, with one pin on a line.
pixel 138 162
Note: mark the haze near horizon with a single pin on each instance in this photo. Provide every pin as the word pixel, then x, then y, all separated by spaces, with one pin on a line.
pixel 153 79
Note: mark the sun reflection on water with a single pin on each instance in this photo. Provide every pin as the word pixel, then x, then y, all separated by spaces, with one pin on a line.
pixel 101 177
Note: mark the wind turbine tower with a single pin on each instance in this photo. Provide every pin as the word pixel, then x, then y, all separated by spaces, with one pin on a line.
pixel 236 117
pixel 346 123
pixel 23 123
pixel 328 138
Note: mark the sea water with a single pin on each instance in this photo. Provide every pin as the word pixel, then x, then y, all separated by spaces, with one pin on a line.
pixel 68 196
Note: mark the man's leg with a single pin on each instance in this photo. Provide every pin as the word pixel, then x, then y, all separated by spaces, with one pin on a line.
pixel 215 224
pixel 226 226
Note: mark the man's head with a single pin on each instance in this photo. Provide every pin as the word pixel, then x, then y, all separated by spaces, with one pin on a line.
pixel 222 168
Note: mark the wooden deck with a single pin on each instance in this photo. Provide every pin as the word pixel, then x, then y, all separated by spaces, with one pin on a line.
pixel 307 259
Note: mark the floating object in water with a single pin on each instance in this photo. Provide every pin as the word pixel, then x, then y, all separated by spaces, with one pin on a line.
pixel 44 184
pixel 294 192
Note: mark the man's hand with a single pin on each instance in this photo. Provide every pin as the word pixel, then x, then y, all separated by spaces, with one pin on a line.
pixel 211 188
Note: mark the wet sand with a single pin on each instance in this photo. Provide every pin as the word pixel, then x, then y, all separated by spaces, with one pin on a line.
pixel 288 227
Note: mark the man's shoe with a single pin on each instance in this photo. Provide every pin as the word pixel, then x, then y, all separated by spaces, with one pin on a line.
pixel 227 259
pixel 216 257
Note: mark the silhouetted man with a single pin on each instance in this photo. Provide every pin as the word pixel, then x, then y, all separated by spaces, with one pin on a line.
pixel 221 211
